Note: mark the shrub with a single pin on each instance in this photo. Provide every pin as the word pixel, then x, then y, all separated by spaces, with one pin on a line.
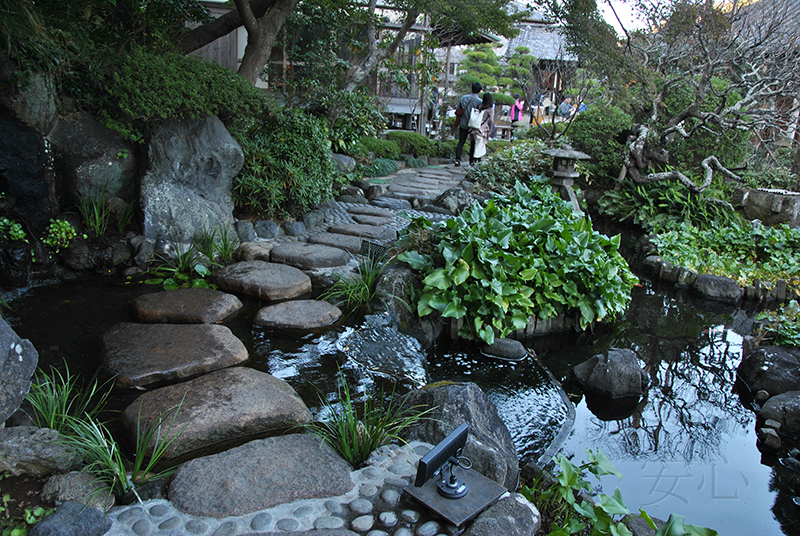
pixel 594 132
pixel 410 142
pixel 380 148
pixel 381 167
pixel 350 116
pixel 287 165
pixel 781 327
pixel 443 148
pixel 519 162
pixel 415 162
pixel 525 255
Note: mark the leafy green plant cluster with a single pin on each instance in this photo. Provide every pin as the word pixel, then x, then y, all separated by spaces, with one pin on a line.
pixel 771 170
pixel 521 256
pixel 218 245
pixel 287 168
pixel 379 148
pixel 415 162
pixel 353 437
pixel 187 271
pixel 147 89
pixel 358 291
pixel 11 230
pixel 59 234
pixel 350 116
pixel 741 252
pixel 782 326
pixel 410 142
pixel 381 167
pixel 666 205
pixel 501 170
pixel 95 212
pixel 19 525
pixel 562 501
pixel 594 132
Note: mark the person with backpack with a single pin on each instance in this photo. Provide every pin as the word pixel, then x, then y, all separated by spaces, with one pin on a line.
pixel 466 105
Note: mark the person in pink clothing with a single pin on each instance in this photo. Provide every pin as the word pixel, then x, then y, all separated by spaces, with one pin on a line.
pixel 516 112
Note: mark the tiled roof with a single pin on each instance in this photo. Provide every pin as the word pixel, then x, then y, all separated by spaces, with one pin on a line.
pixel 544 41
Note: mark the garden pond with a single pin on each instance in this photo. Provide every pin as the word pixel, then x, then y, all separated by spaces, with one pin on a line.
pixel 690 447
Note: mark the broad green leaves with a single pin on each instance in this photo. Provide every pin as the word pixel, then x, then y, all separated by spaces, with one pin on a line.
pixel 523 256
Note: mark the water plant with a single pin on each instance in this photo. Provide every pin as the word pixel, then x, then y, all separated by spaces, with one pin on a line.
pixel 94 211
pixel 56 397
pixel 11 230
pixel 59 234
pixel 564 502
pixel 217 245
pixel 357 291
pixel 186 271
pixel 11 525
pixel 782 326
pixel 354 437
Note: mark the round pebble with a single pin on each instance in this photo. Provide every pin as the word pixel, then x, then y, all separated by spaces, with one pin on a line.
pixel 260 521
pixel 377 533
pixel 399 468
pixel 362 523
pixel 229 528
pixel 411 516
pixel 421 450
pixel 368 490
pixel 130 514
pixel 329 522
pixel 397 481
pixel 287 524
pixel 388 519
pixel 391 497
pixel 429 528
pixel 171 523
pixel 403 532
pixel 159 510
pixel 303 511
pixel 334 507
pixel 361 506
pixel 142 527
pixel 195 526
pixel 372 472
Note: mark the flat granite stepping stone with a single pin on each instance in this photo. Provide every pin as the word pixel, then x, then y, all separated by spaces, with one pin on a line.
pixel 298 314
pixel 371 220
pixel 368 210
pixel 351 244
pixel 265 280
pixel 138 355
pixel 307 256
pixel 364 231
pixel 259 475
pixel 391 203
pixel 185 306
pixel 219 406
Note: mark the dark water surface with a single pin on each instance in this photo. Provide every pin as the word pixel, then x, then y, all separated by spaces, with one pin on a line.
pixel 689 448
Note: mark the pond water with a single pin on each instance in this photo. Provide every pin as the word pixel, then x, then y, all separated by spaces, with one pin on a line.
pixel 690 448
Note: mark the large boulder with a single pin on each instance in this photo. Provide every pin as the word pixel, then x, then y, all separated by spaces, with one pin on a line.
pixel 18 361
pixel 784 409
pixel 73 519
pixel 27 181
pixel 91 159
pixel 774 369
pixel 28 450
pixel 617 373
pixel 513 515
pixel 769 207
pixel 187 187
pixel 717 287
pixel 185 306
pixel 34 101
pixel 489 444
pixel 393 286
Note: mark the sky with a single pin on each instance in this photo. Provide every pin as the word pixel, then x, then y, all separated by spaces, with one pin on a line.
pixel 625 13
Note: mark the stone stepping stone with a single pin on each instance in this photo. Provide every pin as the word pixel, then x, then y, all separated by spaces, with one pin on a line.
pixel 364 231
pixel 391 203
pixel 185 306
pixel 411 197
pixel 264 280
pixel 309 256
pixel 298 314
pixel 259 475
pixel 368 210
pixel 351 244
pixel 254 251
pixel 143 354
pixel 414 190
pixel 372 220
pixel 219 406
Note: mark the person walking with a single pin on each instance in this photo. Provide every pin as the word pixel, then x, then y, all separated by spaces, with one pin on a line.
pixel 480 136
pixel 516 112
pixel 465 106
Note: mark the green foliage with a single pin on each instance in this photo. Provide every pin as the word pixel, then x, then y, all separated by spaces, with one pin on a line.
pixel 410 142
pixel 186 272
pixel 381 167
pixel 355 292
pixel 525 255
pixel 354 438
pixel 19 525
pixel 350 116
pixel 443 148
pixel 287 165
pixel 147 89
pixel 59 234
pixel 506 167
pixel 11 230
pixel 380 148
pixel 771 170
pixel 218 245
pixel 593 132
pixel 415 163
pixel 740 252
pixel 481 65
pixel 560 500
pixel 95 212
pixel 26 38
pixel 666 205
pixel 57 397
pixel 780 327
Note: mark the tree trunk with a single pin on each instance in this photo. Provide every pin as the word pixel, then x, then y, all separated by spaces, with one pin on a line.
pixel 210 32
pixel 261 35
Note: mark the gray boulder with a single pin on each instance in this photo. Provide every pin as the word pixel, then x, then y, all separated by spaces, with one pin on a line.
pixel 774 369
pixel 393 286
pixel 785 410
pixel 506 349
pixel 254 476
pixel 187 187
pixel 770 208
pixel 33 102
pixel 489 444
pixel 716 287
pixel 616 374
pixel 454 200
pixel 254 251
pixel 78 486
pixel 73 519
pixel 513 515
pixel 268 229
pixel 18 361
pixel 307 256
pixel 245 231
pixel 344 163
pixel 91 159
pixel 34 451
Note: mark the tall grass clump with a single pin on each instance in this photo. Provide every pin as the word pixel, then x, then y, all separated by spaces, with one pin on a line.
pixel 360 290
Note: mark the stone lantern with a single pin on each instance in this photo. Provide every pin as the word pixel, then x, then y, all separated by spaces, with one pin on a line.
pixel 563 173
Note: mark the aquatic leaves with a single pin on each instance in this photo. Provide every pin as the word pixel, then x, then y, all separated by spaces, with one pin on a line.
pixel 520 256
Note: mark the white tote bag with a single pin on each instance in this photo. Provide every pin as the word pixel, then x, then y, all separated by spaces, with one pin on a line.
pixel 475 118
